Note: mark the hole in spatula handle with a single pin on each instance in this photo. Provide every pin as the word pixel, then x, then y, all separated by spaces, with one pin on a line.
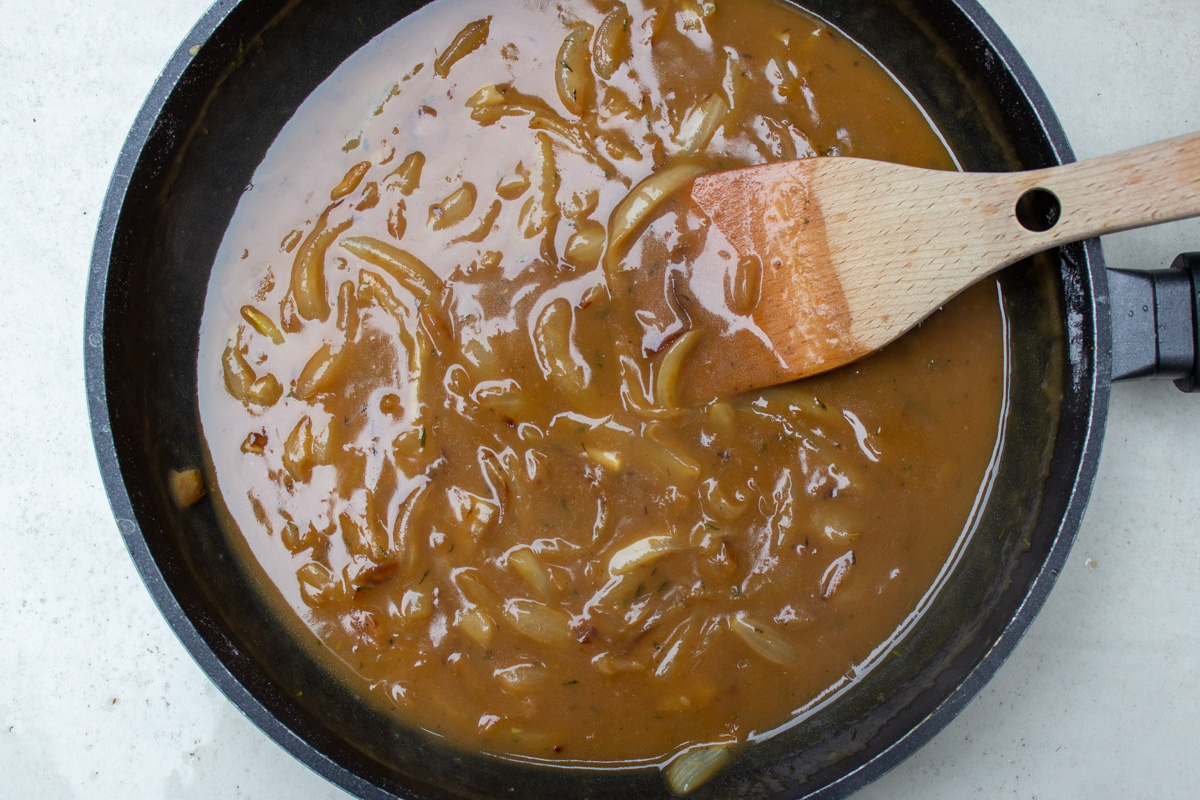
pixel 1038 210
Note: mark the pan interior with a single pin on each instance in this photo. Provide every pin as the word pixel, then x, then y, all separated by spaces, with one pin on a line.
pixel 196 162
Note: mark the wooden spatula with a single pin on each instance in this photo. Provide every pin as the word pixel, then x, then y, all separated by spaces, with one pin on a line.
pixel 854 253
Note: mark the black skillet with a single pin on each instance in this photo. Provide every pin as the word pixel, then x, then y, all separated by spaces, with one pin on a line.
pixel 192 151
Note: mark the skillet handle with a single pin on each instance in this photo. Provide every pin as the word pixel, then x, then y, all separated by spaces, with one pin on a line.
pixel 1156 322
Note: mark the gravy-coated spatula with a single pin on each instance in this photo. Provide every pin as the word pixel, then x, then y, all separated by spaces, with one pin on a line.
pixel 853 253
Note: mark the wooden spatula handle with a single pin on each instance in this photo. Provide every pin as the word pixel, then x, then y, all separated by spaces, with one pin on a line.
pixel 1147 185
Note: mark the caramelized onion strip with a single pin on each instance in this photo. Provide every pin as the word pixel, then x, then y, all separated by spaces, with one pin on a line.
pixel 711 114
pixel 349 183
pixel 552 343
pixel 239 375
pixel 453 209
pixel 410 271
pixel 476 625
pixel 573 71
pixel 529 566
pixel 262 323
pixel 635 210
pixel 539 622
pixel 694 767
pixel 318 584
pixel 408 174
pixel 467 41
pixel 265 391
pixel 321 371
pixel 308 269
pixel 642 552
pixel 611 47
pixel 763 639
pixel 666 382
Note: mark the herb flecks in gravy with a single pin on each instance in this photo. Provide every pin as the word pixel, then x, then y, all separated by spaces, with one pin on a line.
pixel 441 392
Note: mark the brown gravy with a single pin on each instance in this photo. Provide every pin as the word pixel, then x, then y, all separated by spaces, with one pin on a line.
pixel 444 416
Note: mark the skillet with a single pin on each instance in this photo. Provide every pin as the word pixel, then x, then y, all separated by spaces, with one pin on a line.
pixel 132 414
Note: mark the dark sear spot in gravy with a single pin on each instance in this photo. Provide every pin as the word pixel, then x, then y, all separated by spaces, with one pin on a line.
pixel 452 438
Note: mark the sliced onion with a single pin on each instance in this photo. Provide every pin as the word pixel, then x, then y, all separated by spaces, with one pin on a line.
pixel 526 563
pixel 515 185
pixel 697 766
pixel 308 269
pixel 476 625
pixel 239 375
pixel 320 372
pixel 297 451
pixel 554 350
pixel 607 458
pixel 666 383
pixel 347 311
pixel 318 584
pixel 522 678
pixel 468 40
pixel 709 115
pixel 763 639
pixel 408 174
pixel 349 183
pixel 262 323
pixel 186 486
pixel 410 271
pixel 642 552
pixel 265 391
pixel 635 209
pixel 586 245
pixel 573 70
pixel 539 621
pixel 612 42
pixel 454 208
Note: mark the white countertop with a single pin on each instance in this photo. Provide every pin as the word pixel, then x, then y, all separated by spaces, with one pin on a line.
pixel 99 700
